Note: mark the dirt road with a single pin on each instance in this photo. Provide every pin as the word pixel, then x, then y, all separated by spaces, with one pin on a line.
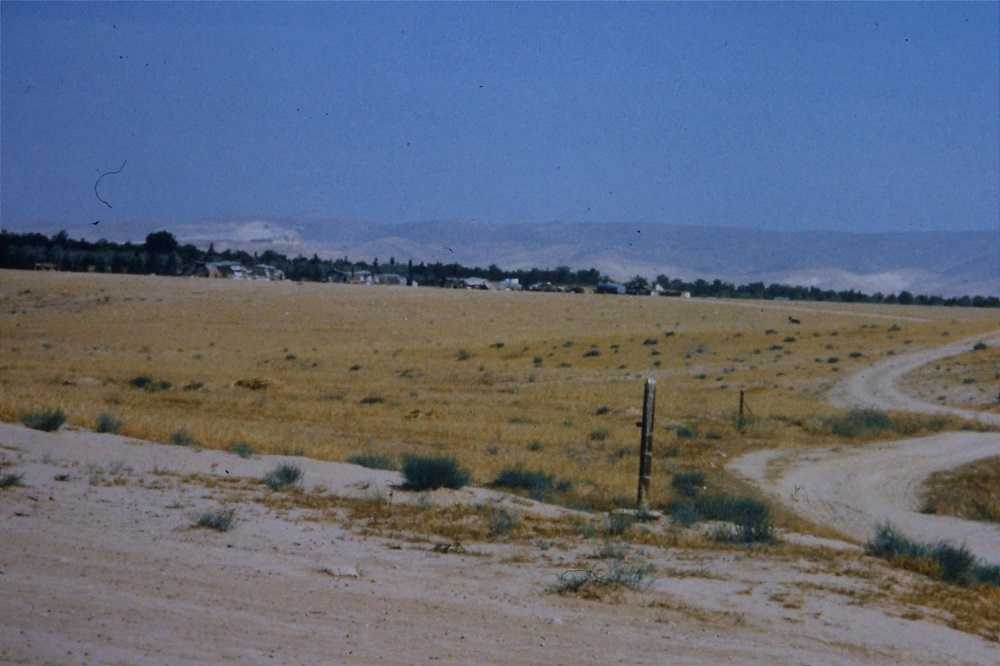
pixel 852 490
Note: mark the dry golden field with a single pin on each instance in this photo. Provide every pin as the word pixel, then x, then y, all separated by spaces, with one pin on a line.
pixel 549 381
pixel 969 381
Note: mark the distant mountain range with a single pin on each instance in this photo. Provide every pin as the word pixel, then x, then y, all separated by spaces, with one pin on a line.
pixel 937 263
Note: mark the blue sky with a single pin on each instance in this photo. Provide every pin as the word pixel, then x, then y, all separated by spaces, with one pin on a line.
pixel 839 116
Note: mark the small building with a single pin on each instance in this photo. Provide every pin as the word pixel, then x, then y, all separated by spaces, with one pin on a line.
pixel 219 269
pixel 350 277
pixel 466 283
pixel 359 277
pixel 266 272
pixel 511 284
pixel 389 278
pixel 546 286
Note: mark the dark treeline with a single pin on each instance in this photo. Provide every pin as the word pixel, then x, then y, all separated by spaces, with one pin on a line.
pixel 161 254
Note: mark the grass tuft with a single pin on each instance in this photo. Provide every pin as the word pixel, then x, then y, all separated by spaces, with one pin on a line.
pixel 501 521
pixel 47 420
pixel 106 422
pixel 242 449
pixel 538 484
pixel 688 483
pixel 181 438
pixel 372 461
pixel 282 476
pixel 222 520
pixel 10 480
pixel 951 564
pixel 751 518
pixel 147 383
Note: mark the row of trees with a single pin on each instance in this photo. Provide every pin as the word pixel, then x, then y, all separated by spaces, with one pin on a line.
pixel 161 254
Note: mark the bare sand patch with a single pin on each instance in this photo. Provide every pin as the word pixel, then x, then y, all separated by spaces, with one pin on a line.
pixel 100 565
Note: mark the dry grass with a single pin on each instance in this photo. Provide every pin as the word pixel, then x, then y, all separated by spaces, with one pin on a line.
pixel 970 380
pixel 334 370
pixel 971 491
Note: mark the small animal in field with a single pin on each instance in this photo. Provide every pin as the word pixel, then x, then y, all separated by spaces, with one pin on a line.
pixel 793 320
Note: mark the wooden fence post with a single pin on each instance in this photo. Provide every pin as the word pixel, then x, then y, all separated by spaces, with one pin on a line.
pixel 646 442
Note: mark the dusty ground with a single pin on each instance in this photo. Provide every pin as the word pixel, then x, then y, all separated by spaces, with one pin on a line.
pixel 100 565
pixel 853 490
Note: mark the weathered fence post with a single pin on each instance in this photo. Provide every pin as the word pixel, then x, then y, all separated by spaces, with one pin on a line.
pixel 646 442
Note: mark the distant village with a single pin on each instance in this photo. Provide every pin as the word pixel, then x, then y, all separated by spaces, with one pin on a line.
pixel 162 254
pixel 233 270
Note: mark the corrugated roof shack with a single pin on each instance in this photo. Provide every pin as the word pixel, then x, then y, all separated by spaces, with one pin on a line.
pixel 219 269
pixel 466 283
pixel 266 272
pixel 390 278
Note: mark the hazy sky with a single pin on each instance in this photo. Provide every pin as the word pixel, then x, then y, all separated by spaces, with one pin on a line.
pixel 850 116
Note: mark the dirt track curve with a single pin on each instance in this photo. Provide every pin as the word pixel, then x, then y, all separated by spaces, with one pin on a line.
pixel 854 490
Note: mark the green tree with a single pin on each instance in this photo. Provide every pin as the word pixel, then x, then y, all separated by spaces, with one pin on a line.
pixel 161 242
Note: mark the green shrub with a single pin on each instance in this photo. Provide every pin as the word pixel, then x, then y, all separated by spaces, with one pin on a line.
pixel 682 512
pixel 600 434
pixel 282 476
pixel 956 565
pixel 372 400
pixel 107 423
pixel 591 353
pixel 618 523
pixel 147 383
pixel 242 449
pixel 222 520
pixel 979 346
pixel 988 574
pixel 10 480
pixel 433 472
pixel 891 544
pixel 650 341
pixel 463 355
pixel 47 420
pixel 685 432
pixel 502 520
pixel 538 484
pixel 602 410
pixel 688 483
pixel 181 438
pixel 372 460
pixel 859 422
pixel 751 518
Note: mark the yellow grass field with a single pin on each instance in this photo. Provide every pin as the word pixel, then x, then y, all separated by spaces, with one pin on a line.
pixel 496 379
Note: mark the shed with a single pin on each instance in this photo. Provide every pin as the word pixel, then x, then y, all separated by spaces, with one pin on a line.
pixel 609 288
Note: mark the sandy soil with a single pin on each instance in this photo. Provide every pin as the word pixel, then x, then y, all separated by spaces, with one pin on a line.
pixel 99 564
pixel 853 490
